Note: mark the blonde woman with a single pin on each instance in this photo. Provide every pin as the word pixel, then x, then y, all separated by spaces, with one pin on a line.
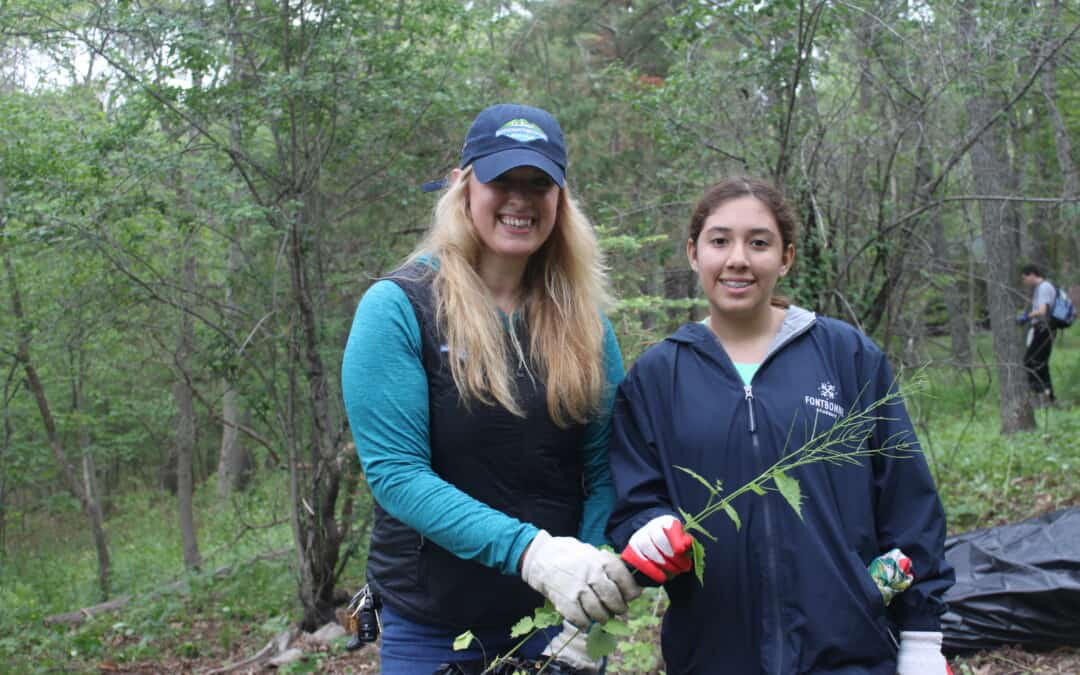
pixel 478 380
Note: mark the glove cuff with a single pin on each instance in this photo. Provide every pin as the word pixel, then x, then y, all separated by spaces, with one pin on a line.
pixel 529 556
pixel 922 639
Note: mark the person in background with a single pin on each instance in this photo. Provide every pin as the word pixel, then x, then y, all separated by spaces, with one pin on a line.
pixel 478 380
pixel 728 397
pixel 1040 337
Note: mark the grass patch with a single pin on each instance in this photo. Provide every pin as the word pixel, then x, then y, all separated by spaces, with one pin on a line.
pixel 985 478
pixel 45 575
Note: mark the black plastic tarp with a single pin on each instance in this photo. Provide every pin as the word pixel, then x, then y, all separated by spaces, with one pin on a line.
pixel 1017 584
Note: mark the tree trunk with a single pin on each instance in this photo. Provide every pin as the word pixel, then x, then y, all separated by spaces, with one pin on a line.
pixel 991 169
pixel 185 425
pixel 314 524
pixel 89 468
pixel 90 508
pixel 235 463
pixel 1064 227
pixel 948 280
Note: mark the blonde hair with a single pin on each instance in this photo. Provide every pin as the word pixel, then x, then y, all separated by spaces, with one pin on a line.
pixel 564 291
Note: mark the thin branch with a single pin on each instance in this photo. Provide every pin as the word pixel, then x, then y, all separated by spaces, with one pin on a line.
pixel 930 187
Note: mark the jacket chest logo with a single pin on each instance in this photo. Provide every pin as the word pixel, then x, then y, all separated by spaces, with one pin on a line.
pixel 825 401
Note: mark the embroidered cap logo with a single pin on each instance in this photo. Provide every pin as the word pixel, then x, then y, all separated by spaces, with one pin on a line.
pixel 522 131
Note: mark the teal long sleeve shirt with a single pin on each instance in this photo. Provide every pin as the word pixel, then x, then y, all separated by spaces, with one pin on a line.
pixel 386 400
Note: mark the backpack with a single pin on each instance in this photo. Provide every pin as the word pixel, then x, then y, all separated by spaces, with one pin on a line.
pixel 1063 311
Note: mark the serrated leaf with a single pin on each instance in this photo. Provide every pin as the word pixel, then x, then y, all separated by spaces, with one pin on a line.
pixel 463 641
pixel 618 627
pixel 731 513
pixel 697 550
pixel 698 478
pixel 546 616
pixel 524 626
pixel 690 524
pixel 600 643
pixel 789 487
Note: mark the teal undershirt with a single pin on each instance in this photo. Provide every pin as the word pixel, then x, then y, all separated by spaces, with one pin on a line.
pixel 386 400
pixel 746 371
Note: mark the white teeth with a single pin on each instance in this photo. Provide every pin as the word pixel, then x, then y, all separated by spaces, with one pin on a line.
pixel 511 221
pixel 736 284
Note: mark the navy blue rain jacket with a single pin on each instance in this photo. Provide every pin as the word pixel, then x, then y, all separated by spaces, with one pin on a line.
pixel 782 594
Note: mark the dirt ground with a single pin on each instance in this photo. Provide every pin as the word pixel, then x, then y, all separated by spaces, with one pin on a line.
pixel 1014 661
pixel 1005 661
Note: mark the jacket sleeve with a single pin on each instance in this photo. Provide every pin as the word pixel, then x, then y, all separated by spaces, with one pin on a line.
pixel 641 492
pixel 386 400
pixel 908 510
pixel 599 492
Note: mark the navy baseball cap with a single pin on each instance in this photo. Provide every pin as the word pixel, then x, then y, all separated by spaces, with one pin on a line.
pixel 506 136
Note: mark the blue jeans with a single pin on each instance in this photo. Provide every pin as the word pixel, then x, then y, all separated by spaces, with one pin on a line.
pixel 411 648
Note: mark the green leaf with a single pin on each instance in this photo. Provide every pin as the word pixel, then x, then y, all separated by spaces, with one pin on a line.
pixel 789 487
pixel 618 627
pixel 757 489
pixel 690 524
pixel 546 616
pixel 698 478
pixel 600 643
pixel 463 641
pixel 524 626
pixel 730 511
pixel 698 552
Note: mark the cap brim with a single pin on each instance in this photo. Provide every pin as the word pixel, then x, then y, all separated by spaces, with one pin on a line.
pixel 487 169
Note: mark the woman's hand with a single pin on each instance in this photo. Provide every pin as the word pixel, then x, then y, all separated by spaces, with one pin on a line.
pixel 584 583
pixel 920 654
pixel 660 548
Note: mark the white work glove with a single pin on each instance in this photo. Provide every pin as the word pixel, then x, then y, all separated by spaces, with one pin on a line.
pixel 584 583
pixel 569 647
pixel 660 549
pixel 920 654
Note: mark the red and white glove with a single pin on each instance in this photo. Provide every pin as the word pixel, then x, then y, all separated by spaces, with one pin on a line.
pixel 920 654
pixel 659 549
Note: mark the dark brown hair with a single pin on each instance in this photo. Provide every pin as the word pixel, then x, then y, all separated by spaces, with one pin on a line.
pixel 765 192
pixel 743 186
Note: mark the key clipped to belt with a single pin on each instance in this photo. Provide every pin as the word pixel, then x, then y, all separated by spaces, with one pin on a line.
pixel 362 618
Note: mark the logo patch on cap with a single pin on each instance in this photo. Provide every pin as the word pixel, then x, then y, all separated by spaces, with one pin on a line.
pixel 522 131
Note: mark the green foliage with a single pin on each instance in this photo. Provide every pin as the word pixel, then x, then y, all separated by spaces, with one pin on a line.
pixel 790 490
pixel 465 639
pixel 985 478
pixel 600 643
pixel 221 124
pixel 55 575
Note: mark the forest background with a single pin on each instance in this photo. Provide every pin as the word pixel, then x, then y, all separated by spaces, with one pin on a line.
pixel 194 196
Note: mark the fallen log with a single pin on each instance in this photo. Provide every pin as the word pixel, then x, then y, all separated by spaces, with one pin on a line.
pixel 276 646
pixel 78 616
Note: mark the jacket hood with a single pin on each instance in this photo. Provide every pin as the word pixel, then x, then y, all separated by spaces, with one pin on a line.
pixel 796 322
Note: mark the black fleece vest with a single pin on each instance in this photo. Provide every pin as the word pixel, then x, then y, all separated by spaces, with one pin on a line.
pixel 527 468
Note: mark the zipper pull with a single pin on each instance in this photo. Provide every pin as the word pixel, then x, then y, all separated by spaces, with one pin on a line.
pixel 750 406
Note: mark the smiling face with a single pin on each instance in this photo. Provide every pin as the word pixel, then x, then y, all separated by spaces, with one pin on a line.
pixel 739 256
pixel 514 214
